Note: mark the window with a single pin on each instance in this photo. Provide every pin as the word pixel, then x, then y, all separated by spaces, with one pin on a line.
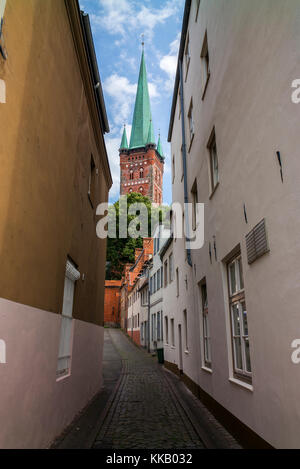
pixel 173 169
pixel 131 174
pixel 171 268
pixel 185 330
pixel 239 319
pixel 181 153
pixel 205 326
pixel 194 192
pixel 166 273
pixel 65 344
pixel 213 161
pixel 187 55
pixel 158 326
pixel 92 182
pixel 158 280
pixel 177 281
pixel 141 173
pixel 167 330
pixel 161 276
pixel 172 333
pixel 154 283
pixel 191 122
pixel 2 47
pixel 197 9
pixel 205 65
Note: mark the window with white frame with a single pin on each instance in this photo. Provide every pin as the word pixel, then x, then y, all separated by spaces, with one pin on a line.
pixel 197 9
pixel 2 46
pixel 213 161
pixel 171 268
pixel 185 330
pixel 158 279
pixel 191 121
pixel 158 326
pixel 187 54
pixel 166 274
pixel 205 65
pixel 239 320
pixel 166 330
pixel 177 282
pixel 173 169
pixel 172 333
pixel 194 193
pixel 65 343
pixel 205 326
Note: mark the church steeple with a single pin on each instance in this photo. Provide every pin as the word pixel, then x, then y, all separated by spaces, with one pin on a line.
pixel 124 143
pixel 159 147
pixel 141 162
pixel 142 111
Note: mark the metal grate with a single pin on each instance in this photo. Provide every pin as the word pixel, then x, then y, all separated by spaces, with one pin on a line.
pixel 257 242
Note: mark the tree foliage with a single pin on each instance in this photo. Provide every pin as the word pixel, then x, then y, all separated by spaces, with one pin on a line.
pixel 121 251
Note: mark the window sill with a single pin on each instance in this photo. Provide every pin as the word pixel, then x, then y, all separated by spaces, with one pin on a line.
pixel 205 87
pixel 206 369
pixel 214 190
pixel 63 377
pixel 173 347
pixel 242 384
pixel 187 352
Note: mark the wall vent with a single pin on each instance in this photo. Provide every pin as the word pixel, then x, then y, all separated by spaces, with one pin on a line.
pixel 257 242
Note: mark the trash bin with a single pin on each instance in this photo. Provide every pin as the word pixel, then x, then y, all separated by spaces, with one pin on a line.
pixel 160 355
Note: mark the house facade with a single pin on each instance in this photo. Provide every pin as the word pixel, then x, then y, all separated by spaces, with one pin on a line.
pixel 232 312
pixel 54 172
pixel 156 277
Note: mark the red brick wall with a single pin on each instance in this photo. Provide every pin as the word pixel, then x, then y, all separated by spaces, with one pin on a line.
pixel 153 170
pixel 112 302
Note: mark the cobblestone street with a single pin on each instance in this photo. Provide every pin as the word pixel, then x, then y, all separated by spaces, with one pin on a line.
pixel 145 412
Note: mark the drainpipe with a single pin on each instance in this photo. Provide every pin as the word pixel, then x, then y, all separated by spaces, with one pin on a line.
pixel 186 199
pixel 148 275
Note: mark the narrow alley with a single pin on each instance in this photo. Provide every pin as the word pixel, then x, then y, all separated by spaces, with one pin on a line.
pixel 146 407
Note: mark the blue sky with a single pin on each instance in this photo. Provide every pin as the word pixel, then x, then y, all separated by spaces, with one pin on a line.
pixel 117 28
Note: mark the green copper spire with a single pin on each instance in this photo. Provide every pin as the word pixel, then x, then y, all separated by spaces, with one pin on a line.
pixel 142 111
pixel 159 147
pixel 151 138
pixel 124 143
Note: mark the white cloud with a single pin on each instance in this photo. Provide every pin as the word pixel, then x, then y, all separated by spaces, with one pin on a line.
pixel 153 93
pixel 119 17
pixel 168 63
pixel 112 147
pixel 123 94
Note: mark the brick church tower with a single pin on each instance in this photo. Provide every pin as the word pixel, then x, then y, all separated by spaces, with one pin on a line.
pixel 142 161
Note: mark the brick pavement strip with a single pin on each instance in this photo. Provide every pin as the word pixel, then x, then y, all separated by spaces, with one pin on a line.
pixel 146 412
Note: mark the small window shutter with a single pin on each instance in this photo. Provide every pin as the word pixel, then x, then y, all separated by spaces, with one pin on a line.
pixel 257 242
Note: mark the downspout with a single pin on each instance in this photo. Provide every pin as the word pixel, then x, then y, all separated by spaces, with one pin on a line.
pixel 186 199
pixel 148 345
